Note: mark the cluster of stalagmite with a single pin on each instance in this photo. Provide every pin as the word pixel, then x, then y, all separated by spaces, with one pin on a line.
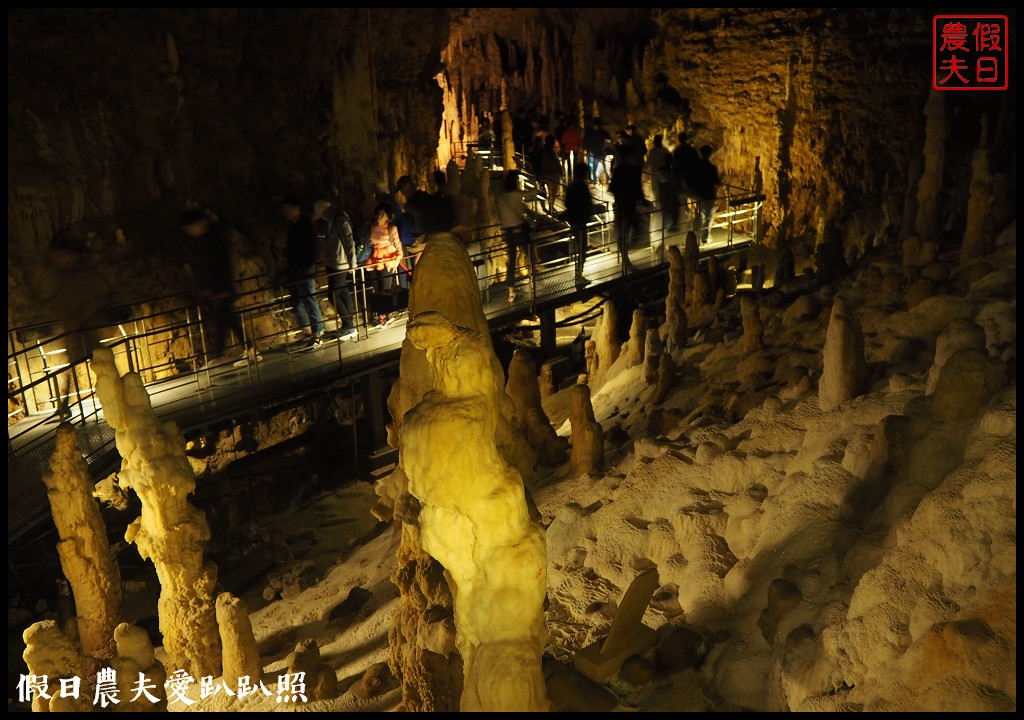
pixel 84 551
pixel 170 532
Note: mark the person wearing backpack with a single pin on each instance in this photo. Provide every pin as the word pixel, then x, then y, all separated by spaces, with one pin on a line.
pixel 340 261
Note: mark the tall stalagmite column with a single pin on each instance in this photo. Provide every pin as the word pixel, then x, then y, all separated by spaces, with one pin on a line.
pixel 423 659
pixel 979 235
pixel 170 531
pixel 929 189
pixel 83 547
pixel 474 519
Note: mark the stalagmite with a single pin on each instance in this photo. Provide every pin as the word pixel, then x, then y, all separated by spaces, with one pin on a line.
pixel 666 378
pixel 524 390
pixel 426 665
pixel 83 548
pixel 321 680
pixel 633 349
pixel 241 655
pixel 170 532
pixel 546 380
pixel 844 373
pixel 929 188
pixel 52 654
pixel 960 334
pixel 753 329
pixel 691 266
pixel 587 434
pixel 136 664
pixel 675 314
pixel 652 356
pixel 607 346
pixel 979 235
pixel 474 520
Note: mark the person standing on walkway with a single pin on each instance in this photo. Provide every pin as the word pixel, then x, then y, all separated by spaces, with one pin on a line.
pixel 340 262
pixel 685 161
pixel 514 226
pixel 659 168
pixel 579 210
pixel 626 187
pixel 595 142
pixel 704 187
pixel 219 273
pixel 300 260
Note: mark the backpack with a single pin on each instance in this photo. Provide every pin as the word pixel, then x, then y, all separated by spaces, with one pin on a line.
pixel 361 237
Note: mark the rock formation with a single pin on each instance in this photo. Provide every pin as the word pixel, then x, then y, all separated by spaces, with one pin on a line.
pixel 241 655
pixel 753 329
pixel 136 664
pixel 170 532
pixel 474 519
pixel 633 348
pixel 83 548
pixel 607 345
pixel 426 665
pixel 587 454
pixel 49 653
pixel 524 390
pixel 321 680
pixel 675 312
pixel 843 376
pixel 929 187
pixel 652 356
pixel 979 235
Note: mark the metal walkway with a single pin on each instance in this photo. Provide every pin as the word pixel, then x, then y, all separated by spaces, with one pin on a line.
pixel 226 392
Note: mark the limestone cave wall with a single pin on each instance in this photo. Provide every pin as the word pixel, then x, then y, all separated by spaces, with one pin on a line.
pixel 117 119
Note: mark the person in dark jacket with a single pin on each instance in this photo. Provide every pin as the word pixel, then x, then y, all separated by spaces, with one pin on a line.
pixel 340 262
pixel 300 259
pixel 704 187
pixel 579 210
pixel 595 142
pixel 219 275
pixel 626 187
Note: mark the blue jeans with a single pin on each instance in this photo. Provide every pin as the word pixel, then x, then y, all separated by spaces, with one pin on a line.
pixel 307 310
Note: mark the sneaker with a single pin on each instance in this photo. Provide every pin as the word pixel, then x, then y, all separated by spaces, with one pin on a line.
pixel 247 357
pixel 582 282
pixel 348 334
pixel 315 343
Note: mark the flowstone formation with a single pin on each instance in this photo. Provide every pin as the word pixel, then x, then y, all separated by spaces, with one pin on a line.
pixel 83 548
pixel 474 520
pixel 170 532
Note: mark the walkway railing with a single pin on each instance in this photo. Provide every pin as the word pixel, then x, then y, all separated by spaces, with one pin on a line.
pixel 165 339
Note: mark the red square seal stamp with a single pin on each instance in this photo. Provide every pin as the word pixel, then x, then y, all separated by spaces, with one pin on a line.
pixel 970 52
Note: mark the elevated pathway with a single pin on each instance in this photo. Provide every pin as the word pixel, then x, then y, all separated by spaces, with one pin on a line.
pixel 225 393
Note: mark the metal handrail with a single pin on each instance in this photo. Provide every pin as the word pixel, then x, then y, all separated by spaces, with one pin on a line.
pixel 550 252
